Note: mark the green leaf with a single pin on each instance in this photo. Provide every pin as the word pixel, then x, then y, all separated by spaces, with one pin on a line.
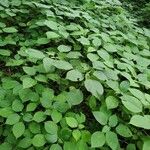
pixel 42 41
pixel 48 64
pixel 101 117
pixel 94 87
pixel 74 75
pixel 25 142
pixel 55 147
pixel 52 35
pixel 92 57
pixel 12 119
pixel 51 24
pixel 76 134
pixel 131 147
pixel 110 47
pixel 112 140
pixel 51 127
pixel 18 129
pixel 35 127
pixel 141 121
pixel 56 116
pixel 84 41
pixel 29 70
pixel 146 144
pixel 138 94
pixel 10 30
pixel 17 105
pixel 6 146
pixel 61 64
pixel 31 107
pixel 132 103
pixel 104 54
pixel 74 97
pixel 72 122
pixel 123 130
pixel 51 138
pixel 111 102
pixel 38 140
pixel 113 121
pixel 39 116
pixel 33 53
pixel 4 52
pixel 97 139
pixel 64 48
pixel 47 97
pixel 5 112
pixel 96 41
pixel 28 82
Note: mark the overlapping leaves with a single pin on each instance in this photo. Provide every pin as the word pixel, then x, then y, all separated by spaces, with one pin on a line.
pixel 73 77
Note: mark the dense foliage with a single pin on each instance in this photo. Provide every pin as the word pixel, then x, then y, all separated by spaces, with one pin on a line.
pixel 73 77
pixel 139 9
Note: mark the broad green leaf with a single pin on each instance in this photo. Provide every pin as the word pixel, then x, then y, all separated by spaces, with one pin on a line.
pixel 12 119
pixel 18 129
pixel 141 121
pixel 33 53
pixel 110 47
pixel 96 41
pixel 131 147
pixel 64 48
pixel 92 57
pixel 6 146
pixel 35 127
pixel 48 64
pixel 104 54
pixel 4 52
pixel 38 140
pixel 74 97
pixel 51 138
pixel 42 41
pixel 29 70
pixel 112 140
pixel 51 24
pixel 10 29
pixel 94 87
pixel 51 127
pixel 55 147
pixel 101 117
pixel 5 112
pixel 97 139
pixel 76 134
pixel 138 94
pixel 123 130
pixel 111 102
pixel 74 75
pixel 132 103
pixel 39 116
pixel 146 144
pixel 61 64
pixel 31 107
pixel 72 122
pixel 74 55
pixel 56 116
pixel 28 82
pixel 25 142
pixel 17 105
pixel 84 41
pixel 52 35
pixel 113 121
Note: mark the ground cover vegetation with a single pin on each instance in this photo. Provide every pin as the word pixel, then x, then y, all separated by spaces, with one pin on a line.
pixel 140 9
pixel 74 75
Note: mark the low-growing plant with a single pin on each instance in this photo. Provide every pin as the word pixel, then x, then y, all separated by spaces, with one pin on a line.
pixel 73 77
